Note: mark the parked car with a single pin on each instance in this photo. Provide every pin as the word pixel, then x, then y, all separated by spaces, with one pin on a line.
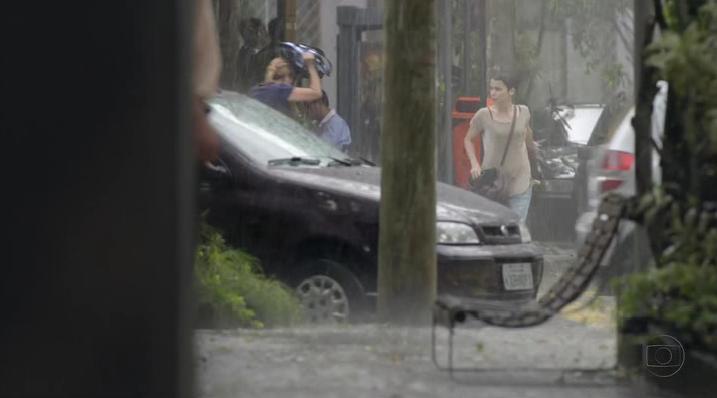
pixel 611 168
pixel 310 214
pixel 566 134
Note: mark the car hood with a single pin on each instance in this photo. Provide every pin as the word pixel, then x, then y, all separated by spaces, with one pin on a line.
pixel 454 204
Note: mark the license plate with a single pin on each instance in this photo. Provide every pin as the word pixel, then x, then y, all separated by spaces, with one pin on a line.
pixel 517 276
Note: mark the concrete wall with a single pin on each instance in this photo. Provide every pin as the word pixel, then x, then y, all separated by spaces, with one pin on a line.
pixel 591 87
pixel 561 66
pixel 581 86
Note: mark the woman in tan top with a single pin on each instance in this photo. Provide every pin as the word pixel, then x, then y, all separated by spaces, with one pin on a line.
pixel 493 123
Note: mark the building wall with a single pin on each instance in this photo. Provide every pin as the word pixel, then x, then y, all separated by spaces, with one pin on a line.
pixel 308 23
pixel 328 38
pixel 591 87
pixel 582 87
pixel 561 66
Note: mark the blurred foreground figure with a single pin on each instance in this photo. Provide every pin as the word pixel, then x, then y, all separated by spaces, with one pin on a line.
pixel 205 80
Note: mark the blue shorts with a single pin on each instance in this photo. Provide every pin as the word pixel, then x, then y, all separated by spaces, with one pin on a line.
pixel 520 203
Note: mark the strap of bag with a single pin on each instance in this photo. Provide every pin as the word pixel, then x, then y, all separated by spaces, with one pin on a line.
pixel 510 136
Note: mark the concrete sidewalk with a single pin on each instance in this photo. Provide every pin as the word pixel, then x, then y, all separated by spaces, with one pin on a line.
pixel 381 361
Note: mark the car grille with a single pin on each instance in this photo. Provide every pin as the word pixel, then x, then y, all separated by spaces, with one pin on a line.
pixel 500 234
pixel 480 278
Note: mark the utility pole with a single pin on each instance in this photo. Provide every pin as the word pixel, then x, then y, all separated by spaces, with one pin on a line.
pixel 286 11
pixel 467 47
pixel 407 231
pixel 289 20
pixel 483 51
pixel 445 131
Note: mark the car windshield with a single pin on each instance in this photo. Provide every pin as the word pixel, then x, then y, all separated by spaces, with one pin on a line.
pixel 268 137
pixel 581 121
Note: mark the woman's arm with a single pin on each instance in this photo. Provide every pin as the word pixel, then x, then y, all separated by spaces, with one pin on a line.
pixel 313 92
pixel 473 131
pixel 530 143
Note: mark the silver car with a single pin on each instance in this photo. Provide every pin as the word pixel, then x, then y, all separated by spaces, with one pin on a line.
pixel 612 169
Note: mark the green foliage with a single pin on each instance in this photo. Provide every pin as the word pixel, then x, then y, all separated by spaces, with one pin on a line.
pixel 232 288
pixel 681 296
pixel 679 13
pixel 527 53
pixel 593 26
pixel 614 76
pixel 687 61
pixel 681 292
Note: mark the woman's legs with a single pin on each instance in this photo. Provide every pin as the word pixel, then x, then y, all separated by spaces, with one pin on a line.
pixel 521 203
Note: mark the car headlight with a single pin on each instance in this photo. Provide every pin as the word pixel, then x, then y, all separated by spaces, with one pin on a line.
pixel 455 233
pixel 525 233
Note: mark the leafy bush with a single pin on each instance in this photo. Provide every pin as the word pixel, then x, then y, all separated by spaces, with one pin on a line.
pixel 686 59
pixel 681 292
pixel 234 292
pixel 681 297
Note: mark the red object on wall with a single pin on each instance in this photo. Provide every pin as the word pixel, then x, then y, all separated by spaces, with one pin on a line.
pixel 463 111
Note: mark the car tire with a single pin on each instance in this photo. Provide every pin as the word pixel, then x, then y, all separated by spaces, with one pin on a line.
pixel 329 292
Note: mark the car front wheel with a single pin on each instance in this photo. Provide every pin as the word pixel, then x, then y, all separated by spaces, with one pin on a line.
pixel 328 291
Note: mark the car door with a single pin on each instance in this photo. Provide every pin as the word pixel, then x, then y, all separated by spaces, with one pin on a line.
pixel 249 207
pixel 228 191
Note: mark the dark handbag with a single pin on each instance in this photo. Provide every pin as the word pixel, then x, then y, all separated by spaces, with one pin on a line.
pixel 486 179
pixel 493 184
pixel 498 190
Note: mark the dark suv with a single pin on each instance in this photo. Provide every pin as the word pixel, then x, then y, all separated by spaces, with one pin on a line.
pixel 310 214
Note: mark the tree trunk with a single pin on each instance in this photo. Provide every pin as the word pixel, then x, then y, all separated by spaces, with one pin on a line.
pixel 289 20
pixel 444 131
pixel 645 90
pixel 407 235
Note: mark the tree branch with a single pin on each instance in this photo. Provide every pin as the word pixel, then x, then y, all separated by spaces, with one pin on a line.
pixel 660 14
